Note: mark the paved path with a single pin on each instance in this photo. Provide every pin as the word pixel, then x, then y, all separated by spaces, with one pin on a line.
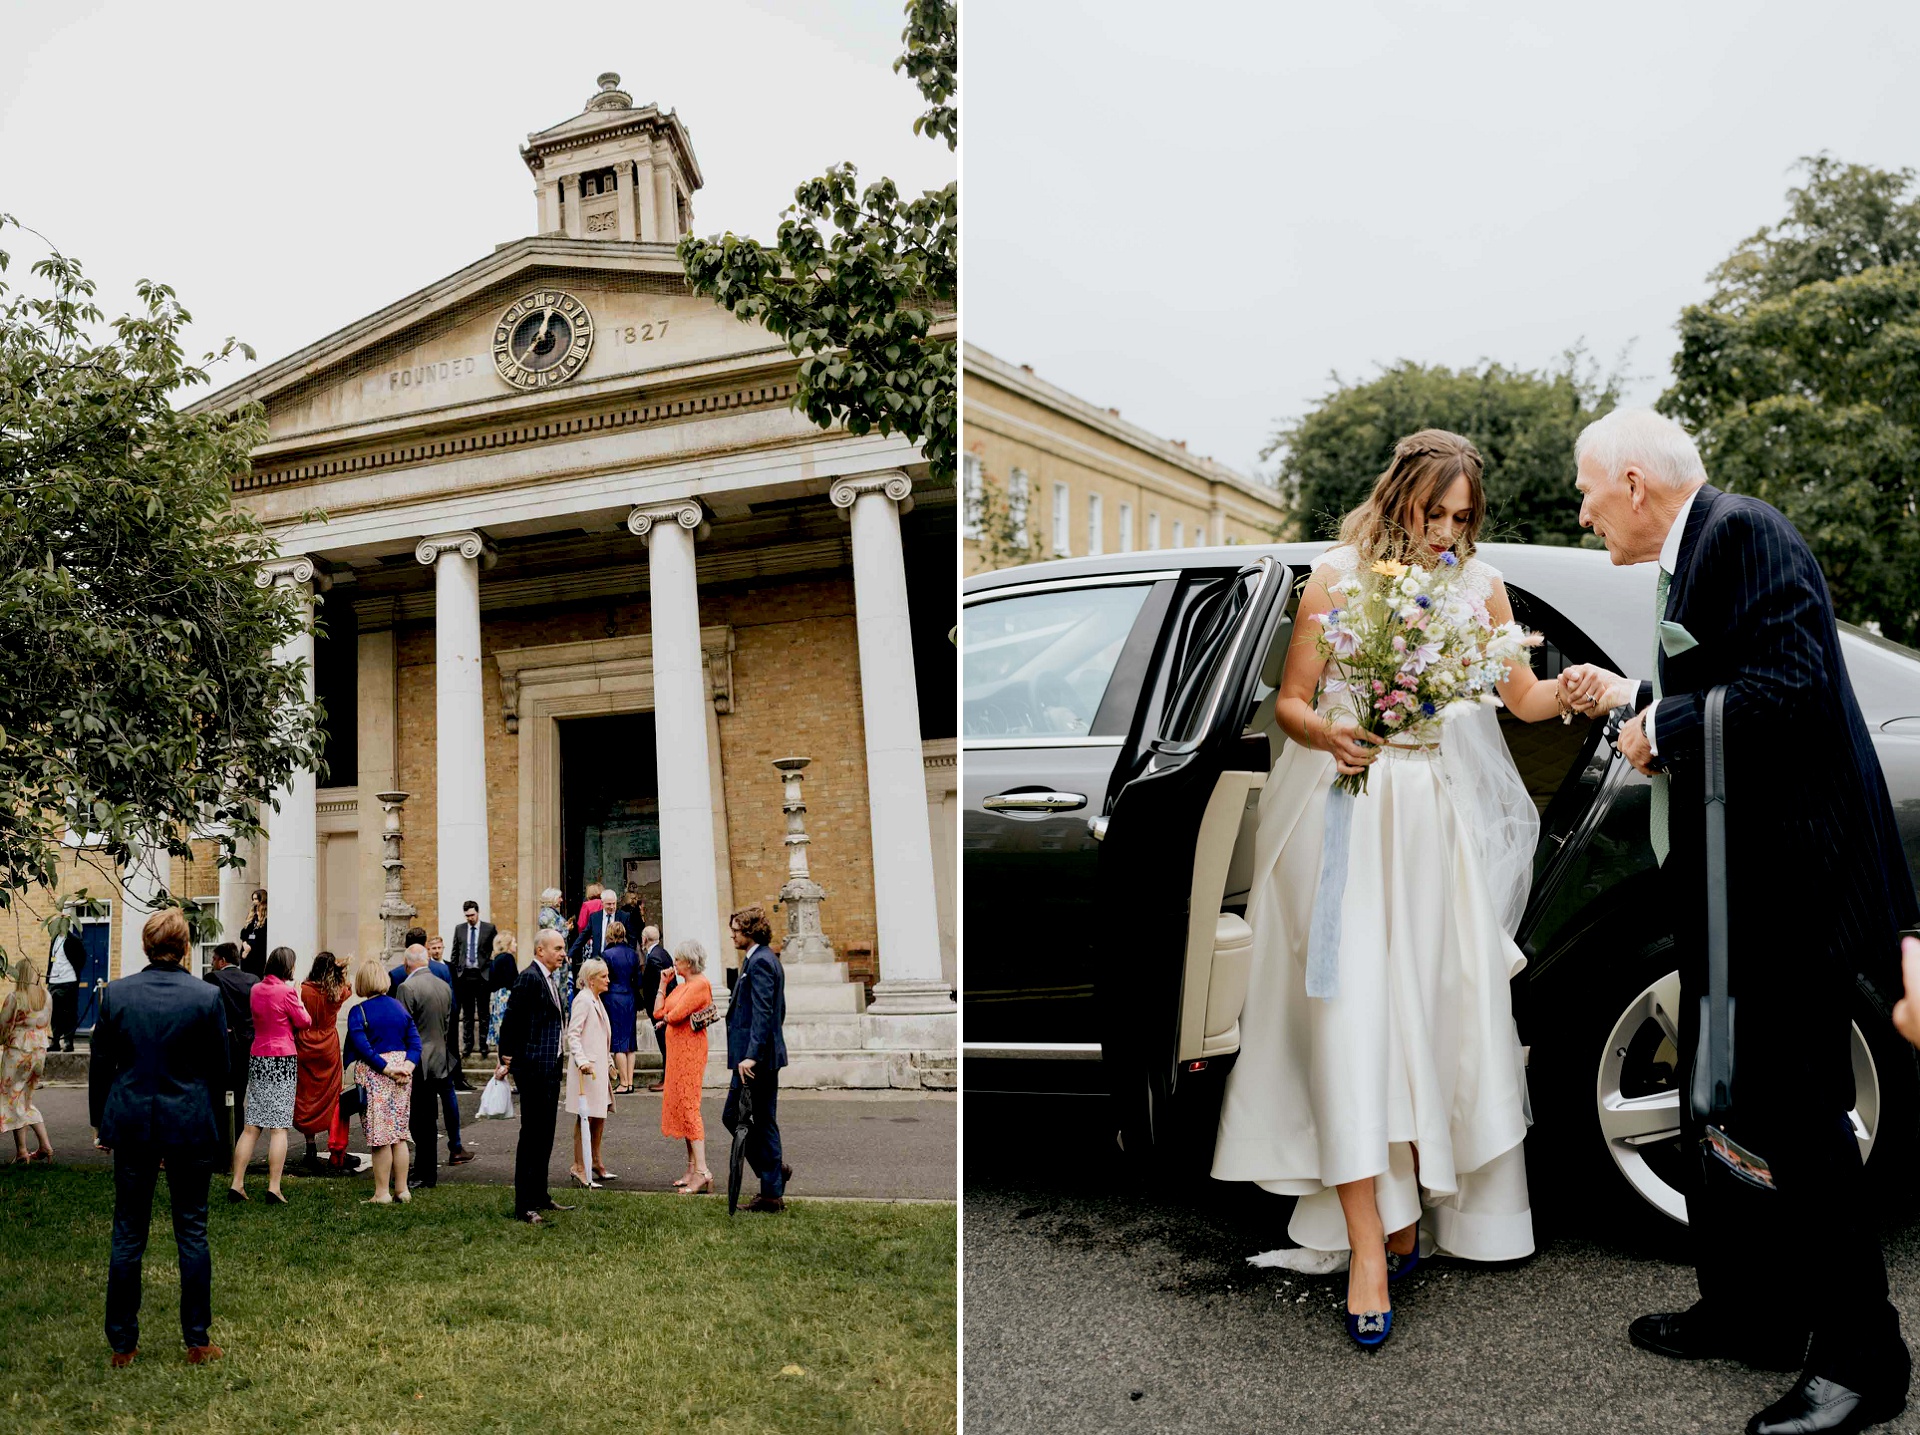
pixel 1091 1305
pixel 879 1145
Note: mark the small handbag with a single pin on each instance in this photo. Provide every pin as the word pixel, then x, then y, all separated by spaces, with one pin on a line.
pixel 704 1018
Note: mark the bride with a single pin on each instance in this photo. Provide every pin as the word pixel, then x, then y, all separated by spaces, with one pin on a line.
pixel 1395 1109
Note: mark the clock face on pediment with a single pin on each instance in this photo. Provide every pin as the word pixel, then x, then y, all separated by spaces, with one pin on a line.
pixel 543 339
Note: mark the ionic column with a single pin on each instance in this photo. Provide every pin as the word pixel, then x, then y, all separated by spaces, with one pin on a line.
pixel 903 887
pixel 293 819
pixel 139 895
pixel 689 892
pixel 460 737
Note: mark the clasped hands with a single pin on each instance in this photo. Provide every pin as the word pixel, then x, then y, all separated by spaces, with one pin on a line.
pixel 1586 688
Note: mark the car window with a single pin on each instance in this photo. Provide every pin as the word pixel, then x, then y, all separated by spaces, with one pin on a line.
pixel 1886 676
pixel 1203 648
pixel 1037 664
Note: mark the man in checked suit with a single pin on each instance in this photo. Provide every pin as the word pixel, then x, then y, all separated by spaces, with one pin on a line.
pixel 756 1050
pixel 1794 1278
pixel 530 1047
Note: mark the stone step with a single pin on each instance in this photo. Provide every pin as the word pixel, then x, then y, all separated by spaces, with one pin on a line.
pixel 813 974
pixel 824 1033
pixel 848 997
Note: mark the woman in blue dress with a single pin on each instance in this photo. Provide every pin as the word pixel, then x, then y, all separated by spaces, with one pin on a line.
pixel 623 981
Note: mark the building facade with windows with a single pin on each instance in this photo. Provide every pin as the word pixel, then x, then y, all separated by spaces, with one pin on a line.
pixel 578 575
pixel 1071 478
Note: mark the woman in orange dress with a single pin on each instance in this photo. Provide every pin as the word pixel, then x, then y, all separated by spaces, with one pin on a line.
pixel 316 1097
pixel 690 998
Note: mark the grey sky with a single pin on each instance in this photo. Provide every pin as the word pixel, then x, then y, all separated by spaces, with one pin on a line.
pixel 292 168
pixel 1195 213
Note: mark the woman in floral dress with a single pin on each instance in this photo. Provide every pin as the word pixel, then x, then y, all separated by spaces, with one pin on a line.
pixel 26 1022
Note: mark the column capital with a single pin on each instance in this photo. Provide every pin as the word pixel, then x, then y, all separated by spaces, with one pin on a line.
pixel 469 543
pixel 686 512
pixel 290 572
pixel 890 483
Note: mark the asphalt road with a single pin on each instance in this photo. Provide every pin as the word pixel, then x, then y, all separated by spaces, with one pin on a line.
pixel 875 1145
pixel 1094 1305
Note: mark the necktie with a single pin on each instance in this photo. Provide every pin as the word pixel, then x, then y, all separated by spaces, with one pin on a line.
pixel 1657 828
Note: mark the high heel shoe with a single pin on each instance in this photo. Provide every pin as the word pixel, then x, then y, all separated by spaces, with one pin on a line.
pixel 703 1187
pixel 1370 1331
pixel 1399 1266
pixel 234 1197
pixel 585 1185
pixel 274 1198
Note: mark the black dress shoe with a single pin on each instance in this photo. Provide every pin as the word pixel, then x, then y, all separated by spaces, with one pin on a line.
pixel 1818 1406
pixel 1686 1335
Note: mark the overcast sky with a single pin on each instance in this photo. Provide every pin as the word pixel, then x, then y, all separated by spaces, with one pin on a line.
pixel 292 168
pixel 1196 213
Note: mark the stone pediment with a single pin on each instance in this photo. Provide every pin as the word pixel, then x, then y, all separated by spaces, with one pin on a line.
pixel 430 357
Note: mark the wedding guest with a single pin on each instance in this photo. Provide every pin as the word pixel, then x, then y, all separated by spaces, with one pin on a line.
pixel 756 1050
pixel 253 936
pixel 689 997
pixel 273 1074
pixel 66 960
pixel 501 975
pixel 531 1037
pixel 449 1102
pixel 589 1038
pixel 26 1019
pixel 316 1099
pixel 472 948
pixel 235 984
pixel 623 981
pixel 655 964
pixel 158 1067
pixel 436 962
pixel 427 1000
pixel 551 917
pixel 633 909
pixel 590 906
pixel 385 1047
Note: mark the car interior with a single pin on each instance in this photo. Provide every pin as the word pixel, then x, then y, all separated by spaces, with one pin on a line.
pixel 1556 760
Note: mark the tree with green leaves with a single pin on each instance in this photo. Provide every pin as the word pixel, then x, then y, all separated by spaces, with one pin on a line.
pixel 857 280
pixel 1523 422
pixel 142 704
pixel 1799 375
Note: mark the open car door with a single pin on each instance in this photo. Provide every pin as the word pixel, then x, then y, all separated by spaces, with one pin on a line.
pixel 1170 993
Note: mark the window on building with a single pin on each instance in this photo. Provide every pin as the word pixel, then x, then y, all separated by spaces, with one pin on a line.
pixel 1126 528
pixel 1153 530
pixel 1199 537
pixel 1095 505
pixel 1062 516
pixel 1179 534
pixel 1019 491
pixel 973 479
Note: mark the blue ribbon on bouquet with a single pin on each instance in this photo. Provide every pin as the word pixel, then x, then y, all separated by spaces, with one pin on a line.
pixel 1323 941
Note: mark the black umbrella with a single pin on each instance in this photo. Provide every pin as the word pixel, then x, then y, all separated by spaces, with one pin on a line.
pixel 737 1158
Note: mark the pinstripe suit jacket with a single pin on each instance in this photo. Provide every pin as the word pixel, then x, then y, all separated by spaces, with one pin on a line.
pixel 1818 885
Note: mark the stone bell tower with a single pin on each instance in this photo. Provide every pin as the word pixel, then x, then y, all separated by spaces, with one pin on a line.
pixel 614 171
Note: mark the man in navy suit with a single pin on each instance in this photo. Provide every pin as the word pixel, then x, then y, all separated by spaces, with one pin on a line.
pixel 756 1050
pixel 591 940
pixel 531 1041
pixel 655 963
pixel 154 1086
pixel 1794 1278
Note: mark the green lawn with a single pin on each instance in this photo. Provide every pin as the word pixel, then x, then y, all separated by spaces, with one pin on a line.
pixel 632 1313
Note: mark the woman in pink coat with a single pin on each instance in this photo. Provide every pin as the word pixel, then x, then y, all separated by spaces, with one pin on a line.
pixel 589 1069
pixel 273 1073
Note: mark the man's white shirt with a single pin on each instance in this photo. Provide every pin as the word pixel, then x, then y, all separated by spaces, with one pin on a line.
pixel 60 971
pixel 1669 561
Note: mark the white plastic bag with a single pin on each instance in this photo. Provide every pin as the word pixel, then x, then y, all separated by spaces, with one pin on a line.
pixel 496 1099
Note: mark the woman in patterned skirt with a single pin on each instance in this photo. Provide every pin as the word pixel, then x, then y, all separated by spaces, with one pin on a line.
pixel 26 1020
pixel 273 1073
pixel 686 1062
pixel 385 1046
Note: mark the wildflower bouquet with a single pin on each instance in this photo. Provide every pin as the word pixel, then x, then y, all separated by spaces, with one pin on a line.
pixel 1409 651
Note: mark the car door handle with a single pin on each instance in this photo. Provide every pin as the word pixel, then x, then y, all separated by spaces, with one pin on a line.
pixel 1034 801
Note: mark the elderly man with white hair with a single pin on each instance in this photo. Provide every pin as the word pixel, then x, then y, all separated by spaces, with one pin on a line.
pixel 1817 890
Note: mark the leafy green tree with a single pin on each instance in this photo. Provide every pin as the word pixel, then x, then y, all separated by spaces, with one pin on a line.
pixel 857 280
pixel 1005 528
pixel 1800 377
pixel 141 702
pixel 1524 424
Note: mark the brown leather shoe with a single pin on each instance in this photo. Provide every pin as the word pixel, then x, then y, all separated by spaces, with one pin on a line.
pixel 767 1203
pixel 123 1358
pixel 460 1157
pixel 658 1086
pixel 201 1354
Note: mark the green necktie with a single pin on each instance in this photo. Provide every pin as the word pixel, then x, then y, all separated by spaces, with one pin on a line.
pixel 1658 811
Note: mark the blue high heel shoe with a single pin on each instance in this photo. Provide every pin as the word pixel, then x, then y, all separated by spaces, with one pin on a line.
pixel 1370 1331
pixel 1399 1266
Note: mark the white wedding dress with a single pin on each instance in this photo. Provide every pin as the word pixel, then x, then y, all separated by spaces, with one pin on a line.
pixel 1418 1051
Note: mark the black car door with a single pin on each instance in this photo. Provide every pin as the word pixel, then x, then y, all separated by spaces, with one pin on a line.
pixel 1051 678
pixel 1180 787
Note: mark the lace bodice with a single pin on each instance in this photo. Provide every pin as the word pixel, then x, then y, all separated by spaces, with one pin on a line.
pixel 1476 576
